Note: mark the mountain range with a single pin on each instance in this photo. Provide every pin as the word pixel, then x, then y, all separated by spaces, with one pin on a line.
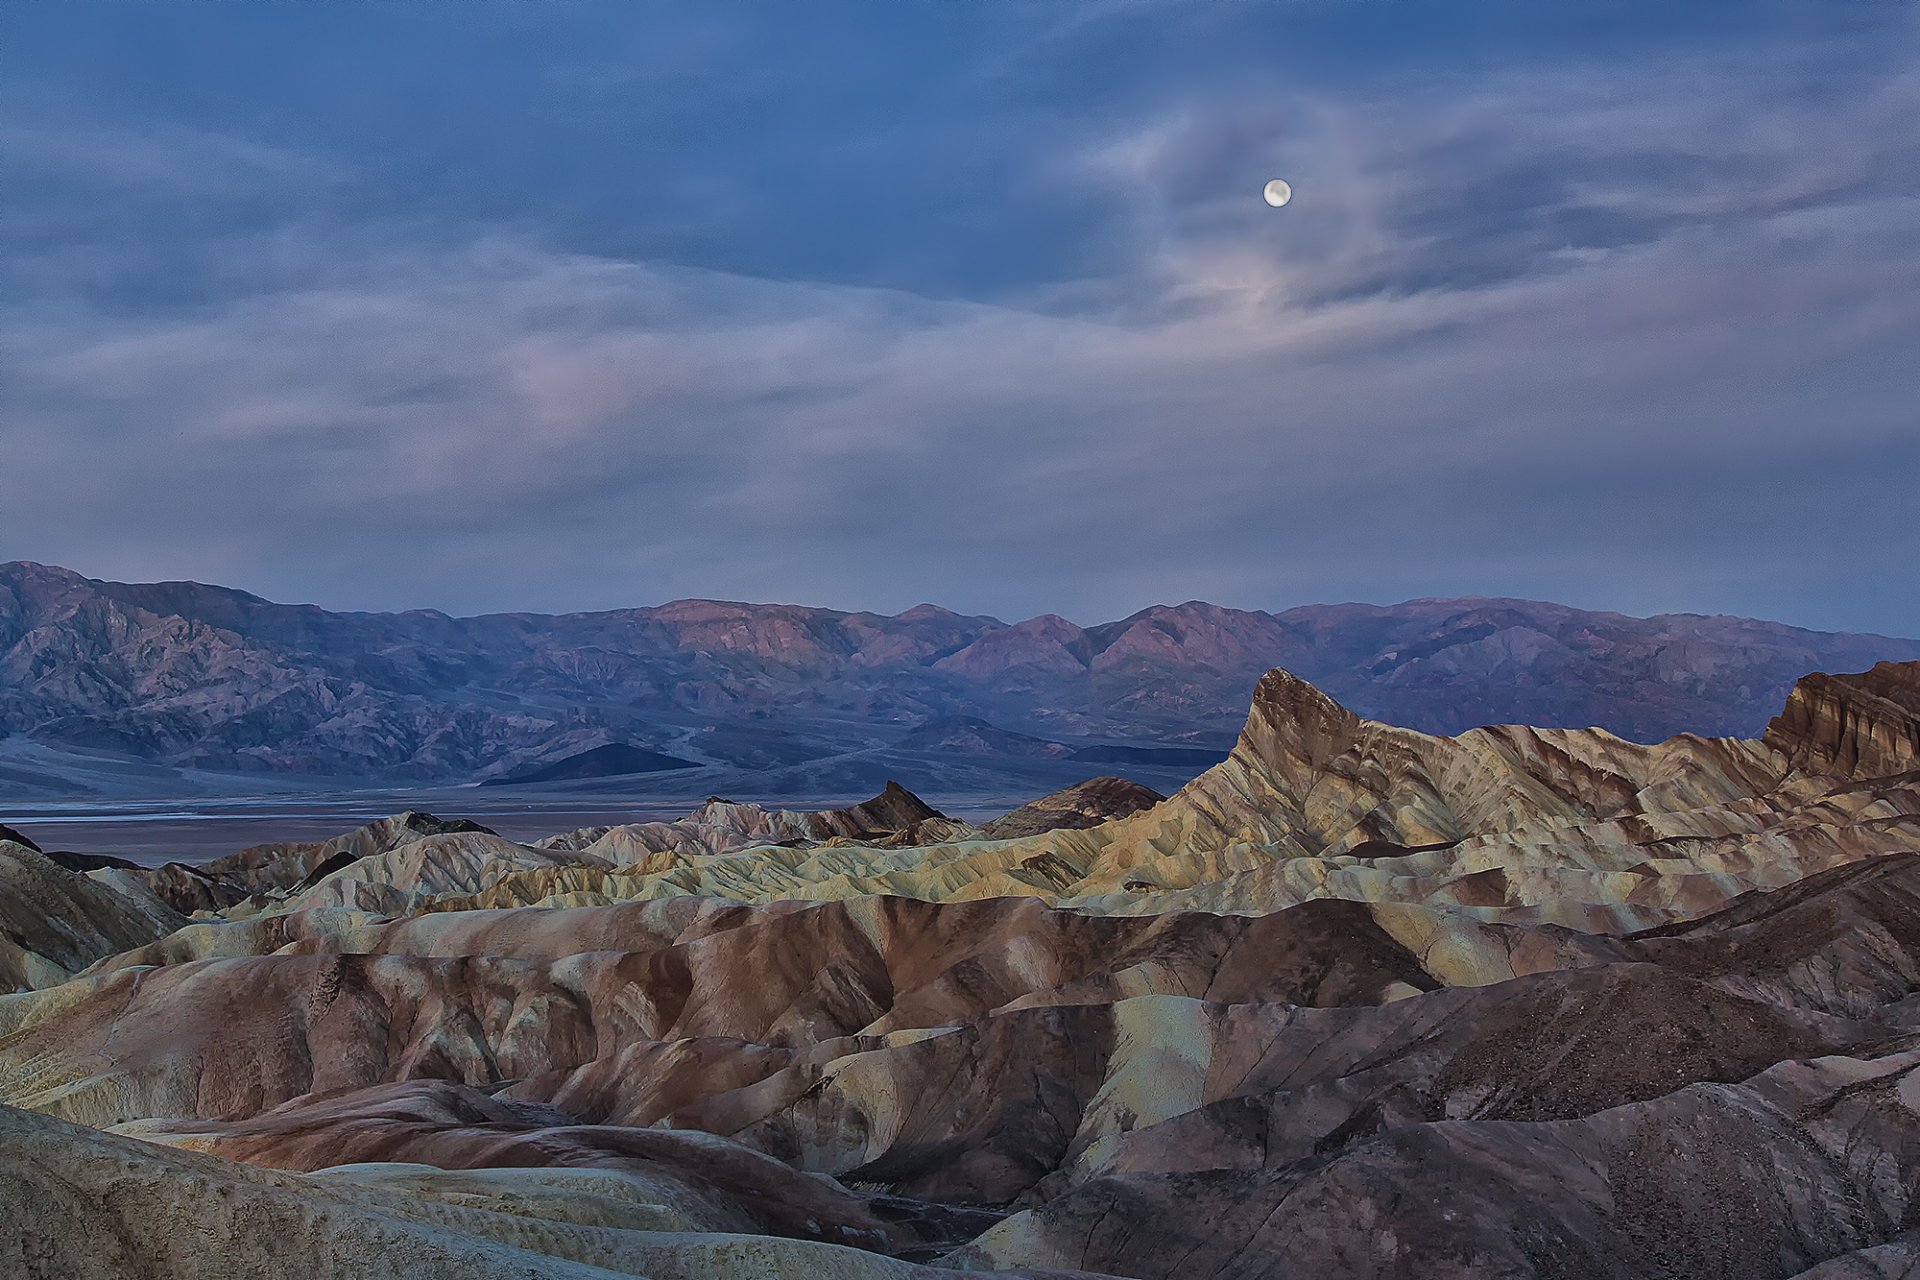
pixel 207 677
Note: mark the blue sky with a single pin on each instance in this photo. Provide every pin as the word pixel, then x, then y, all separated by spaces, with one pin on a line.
pixel 569 305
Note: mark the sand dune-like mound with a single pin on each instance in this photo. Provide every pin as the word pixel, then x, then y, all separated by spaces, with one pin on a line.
pixel 590 1211
pixel 55 922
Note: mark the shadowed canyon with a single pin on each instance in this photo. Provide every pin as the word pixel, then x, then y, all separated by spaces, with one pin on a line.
pixel 1358 1000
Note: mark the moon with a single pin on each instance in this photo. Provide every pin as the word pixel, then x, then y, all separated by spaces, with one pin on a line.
pixel 1277 192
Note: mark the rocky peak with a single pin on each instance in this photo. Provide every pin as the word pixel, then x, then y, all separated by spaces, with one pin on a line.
pixel 7 833
pixel 1865 724
pixel 1292 721
pixel 894 808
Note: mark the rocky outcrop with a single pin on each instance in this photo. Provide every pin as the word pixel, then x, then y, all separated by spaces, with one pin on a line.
pixel 895 817
pixel 1085 804
pixel 1867 725
pixel 268 867
pixel 55 922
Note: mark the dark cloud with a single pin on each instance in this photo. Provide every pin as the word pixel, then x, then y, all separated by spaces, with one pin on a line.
pixel 1633 333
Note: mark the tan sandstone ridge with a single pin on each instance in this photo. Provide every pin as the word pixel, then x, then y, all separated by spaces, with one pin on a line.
pixel 1357 1002
pixel 1576 827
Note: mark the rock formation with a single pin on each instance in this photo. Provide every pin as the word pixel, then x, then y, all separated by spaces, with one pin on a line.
pixel 573 1206
pixel 55 922
pixel 1085 804
pixel 281 866
pixel 1359 1001
pixel 1866 725
pixel 1576 827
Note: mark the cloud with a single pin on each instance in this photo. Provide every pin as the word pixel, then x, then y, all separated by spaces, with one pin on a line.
pixel 164 158
pixel 1614 336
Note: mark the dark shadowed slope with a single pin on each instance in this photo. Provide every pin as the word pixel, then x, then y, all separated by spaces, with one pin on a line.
pixel 1087 804
pixel 614 760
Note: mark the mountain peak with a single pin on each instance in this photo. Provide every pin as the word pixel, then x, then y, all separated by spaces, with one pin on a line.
pixel 1292 719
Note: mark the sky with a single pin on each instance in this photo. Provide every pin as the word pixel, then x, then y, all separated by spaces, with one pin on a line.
pixel 568 305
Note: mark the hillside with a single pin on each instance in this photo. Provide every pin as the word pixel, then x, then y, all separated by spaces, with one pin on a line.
pixel 213 678
pixel 1517 1002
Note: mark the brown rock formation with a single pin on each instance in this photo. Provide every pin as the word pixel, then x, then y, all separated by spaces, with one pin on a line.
pixel 1085 804
pixel 281 866
pixel 675 1208
pixel 55 922
pixel 1422 1038
pixel 1866 725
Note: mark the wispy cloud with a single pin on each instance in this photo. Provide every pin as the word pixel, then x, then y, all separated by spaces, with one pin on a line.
pixel 1585 335
pixel 171 158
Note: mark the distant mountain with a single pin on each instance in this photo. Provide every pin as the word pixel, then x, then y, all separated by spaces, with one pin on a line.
pixel 970 735
pixel 216 678
pixel 614 760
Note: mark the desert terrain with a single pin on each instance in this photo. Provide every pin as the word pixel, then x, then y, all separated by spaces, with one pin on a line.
pixel 1358 1000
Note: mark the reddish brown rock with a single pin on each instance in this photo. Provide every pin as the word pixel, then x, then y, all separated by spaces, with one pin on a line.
pixel 1085 804
pixel 1865 725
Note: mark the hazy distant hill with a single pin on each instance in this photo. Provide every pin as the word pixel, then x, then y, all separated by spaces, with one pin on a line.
pixel 208 676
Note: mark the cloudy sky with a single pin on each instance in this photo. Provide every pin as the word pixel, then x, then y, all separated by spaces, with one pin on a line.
pixel 568 305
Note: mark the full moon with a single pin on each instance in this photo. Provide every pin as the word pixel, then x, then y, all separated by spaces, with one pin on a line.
pixel 1278 192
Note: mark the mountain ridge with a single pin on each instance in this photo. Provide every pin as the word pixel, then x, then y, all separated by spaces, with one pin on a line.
pixel 211 677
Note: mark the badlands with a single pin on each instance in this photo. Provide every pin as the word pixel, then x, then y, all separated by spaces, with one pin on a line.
pixel 1358 1001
